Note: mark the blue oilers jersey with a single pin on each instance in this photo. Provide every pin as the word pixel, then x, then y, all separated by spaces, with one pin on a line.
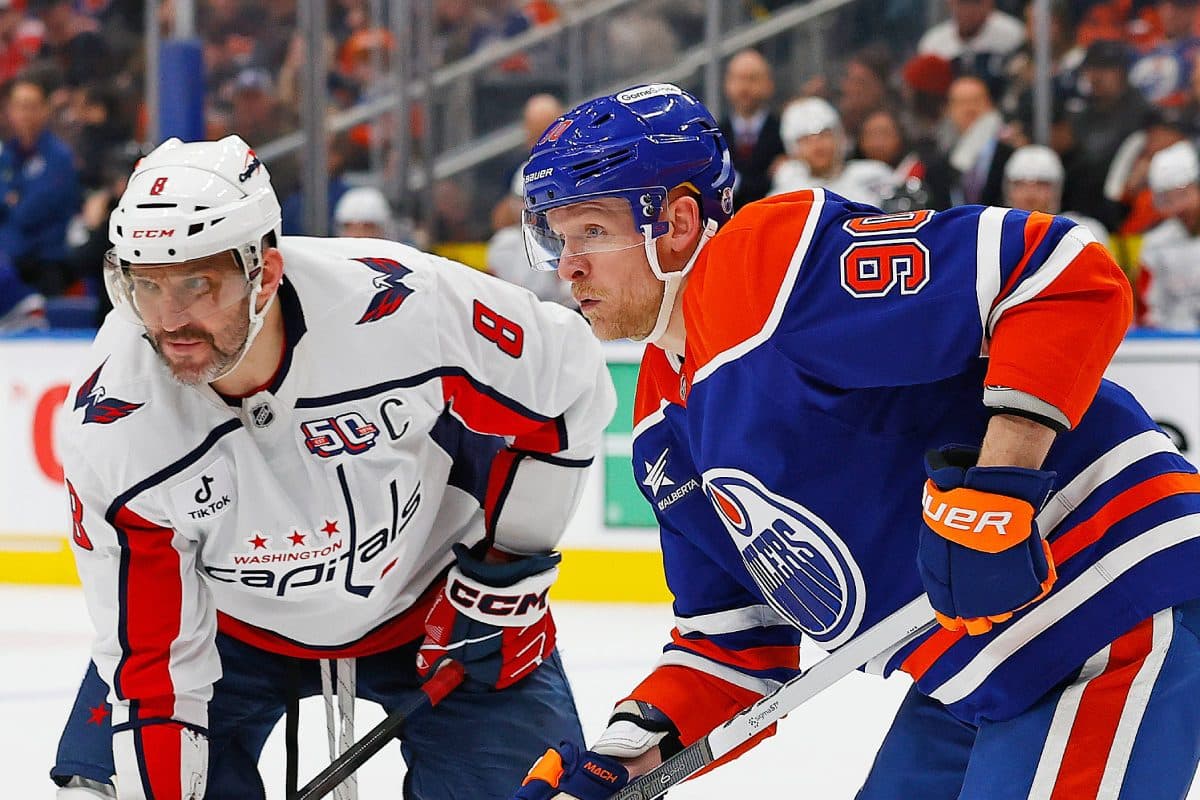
pixel 828 348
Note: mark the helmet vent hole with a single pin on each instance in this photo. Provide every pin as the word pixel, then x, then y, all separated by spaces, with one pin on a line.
pixel 215 221
pixel 596 123
pixel 119 231
pixel 137 252
pixel 202 208
pixel 171 252
pixel 157 205
pixel 195 228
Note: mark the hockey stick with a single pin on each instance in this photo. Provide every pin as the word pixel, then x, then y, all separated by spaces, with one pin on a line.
pixel 433 691
pixel 911 620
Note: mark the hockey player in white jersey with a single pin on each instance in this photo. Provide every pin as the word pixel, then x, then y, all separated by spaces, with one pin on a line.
pixel 294 449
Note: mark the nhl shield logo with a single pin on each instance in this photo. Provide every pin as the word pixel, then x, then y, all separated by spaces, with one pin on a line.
pixel 262 415
pixel 803 568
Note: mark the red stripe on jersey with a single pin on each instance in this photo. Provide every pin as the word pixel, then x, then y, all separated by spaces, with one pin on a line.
pixel 1099 713
pixel 1132 500
pixel 1036 227
pixel 486 414
pixel 751 658
pixel 1057 345
pixel 400 630
pixel 1066 547
pixel 151 606
pixel 746 263
pixel 499 480
pixel 697 703
pixel 657 381
pixel 162 763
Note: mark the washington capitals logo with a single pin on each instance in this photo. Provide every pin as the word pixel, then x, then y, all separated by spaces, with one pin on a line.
pixel 97 406
pixel 392 290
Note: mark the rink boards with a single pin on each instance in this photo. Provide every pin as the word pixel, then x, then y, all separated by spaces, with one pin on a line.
pixel 610 549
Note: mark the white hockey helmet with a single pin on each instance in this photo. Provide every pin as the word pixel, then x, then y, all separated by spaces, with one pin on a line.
pixel 1173 168
pixel 186 201
pixel 364 204
pixel 805 117
pixel 1034 162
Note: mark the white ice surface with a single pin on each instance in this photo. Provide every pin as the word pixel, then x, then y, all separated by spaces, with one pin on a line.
pixel 821 752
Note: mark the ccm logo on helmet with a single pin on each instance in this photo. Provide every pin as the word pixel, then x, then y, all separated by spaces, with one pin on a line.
pixel 152 233
pixel 966 519
pixel 496 605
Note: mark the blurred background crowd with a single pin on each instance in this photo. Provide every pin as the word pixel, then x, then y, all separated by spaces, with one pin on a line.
pixel 897 103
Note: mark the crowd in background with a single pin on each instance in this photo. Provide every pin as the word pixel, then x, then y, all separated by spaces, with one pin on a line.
pixel 902 114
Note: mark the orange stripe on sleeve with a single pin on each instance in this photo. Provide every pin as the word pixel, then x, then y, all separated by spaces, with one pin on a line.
pixel 1057 345
pixel 697 703
pixel 752 658
pixel 1036 228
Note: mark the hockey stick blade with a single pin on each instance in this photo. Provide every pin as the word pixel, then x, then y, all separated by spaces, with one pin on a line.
pixel 433 691
pixel 910 621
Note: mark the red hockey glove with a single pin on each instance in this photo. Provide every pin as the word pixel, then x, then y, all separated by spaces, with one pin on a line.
pixel 492 618
pixel 568 773
pixel 979 552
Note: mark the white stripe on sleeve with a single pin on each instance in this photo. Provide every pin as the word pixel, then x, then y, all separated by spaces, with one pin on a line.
pixel 987 266
pixel 1070 246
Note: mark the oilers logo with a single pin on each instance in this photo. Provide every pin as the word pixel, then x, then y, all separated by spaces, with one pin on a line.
pixel 804 569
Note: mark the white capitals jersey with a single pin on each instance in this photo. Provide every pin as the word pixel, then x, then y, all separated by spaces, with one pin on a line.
pixel 419 403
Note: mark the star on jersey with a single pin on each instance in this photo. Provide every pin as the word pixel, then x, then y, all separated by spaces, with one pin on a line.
pixel 330 528
pixel 98 407
pixel 97 715
pixel 656 474
pixel 392 289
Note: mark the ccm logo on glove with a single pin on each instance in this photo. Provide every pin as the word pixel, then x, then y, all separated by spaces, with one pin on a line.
pixel 982 521
pixel 466 596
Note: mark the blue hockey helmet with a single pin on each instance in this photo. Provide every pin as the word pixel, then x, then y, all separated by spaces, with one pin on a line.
pixel 636 145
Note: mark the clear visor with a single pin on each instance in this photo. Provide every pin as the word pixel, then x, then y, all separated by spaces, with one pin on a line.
pixel 174 294
pixel 590 225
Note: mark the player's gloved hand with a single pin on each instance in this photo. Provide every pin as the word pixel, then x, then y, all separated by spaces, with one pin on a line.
pixel 980 554
pixel 568 773
pixel 493 618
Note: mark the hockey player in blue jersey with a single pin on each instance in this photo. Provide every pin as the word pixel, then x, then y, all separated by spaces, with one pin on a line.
pixel 864 407
pixel 299 463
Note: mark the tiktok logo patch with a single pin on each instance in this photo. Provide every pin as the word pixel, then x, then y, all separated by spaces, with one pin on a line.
pixel 803 568
pixel 205 496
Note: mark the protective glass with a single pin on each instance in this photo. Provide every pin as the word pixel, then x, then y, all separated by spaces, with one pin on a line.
pixel 600 223
pixel 172 293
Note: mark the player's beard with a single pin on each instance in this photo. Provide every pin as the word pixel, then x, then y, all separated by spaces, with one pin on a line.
pixel 217 356
pixel 629 312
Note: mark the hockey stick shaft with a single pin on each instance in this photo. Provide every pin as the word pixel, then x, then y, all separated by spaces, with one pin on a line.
pixel 433 691
pixel 911 620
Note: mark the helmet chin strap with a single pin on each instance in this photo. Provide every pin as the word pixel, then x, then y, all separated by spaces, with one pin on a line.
pixel 256 324
pixel 672 281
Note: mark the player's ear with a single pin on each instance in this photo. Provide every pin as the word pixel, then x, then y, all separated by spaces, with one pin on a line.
pixel 272 274
pixel 683 212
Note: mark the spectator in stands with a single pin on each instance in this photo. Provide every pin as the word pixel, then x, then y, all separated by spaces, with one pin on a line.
pixel 20 39
pixel 539 113
pixel 1065 57
pixel 341 152
pixel 257 116
pixel 1163 75
pixel 74 41
pixel 977 38
pixel 1033 181
pixel 506 258
pixel 751 126
pixel 98 130
pixel 364 213
pixel 1111 112
pixel 1126 183
pixel 1169 275
pixel 973 169
pixel 39 190
pixel 816 146
pixel 882 139
pixel 864 87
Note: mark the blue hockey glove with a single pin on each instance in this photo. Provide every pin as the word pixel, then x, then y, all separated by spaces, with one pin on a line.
pixel 568 773
pixel 493 618
pixel 979 552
